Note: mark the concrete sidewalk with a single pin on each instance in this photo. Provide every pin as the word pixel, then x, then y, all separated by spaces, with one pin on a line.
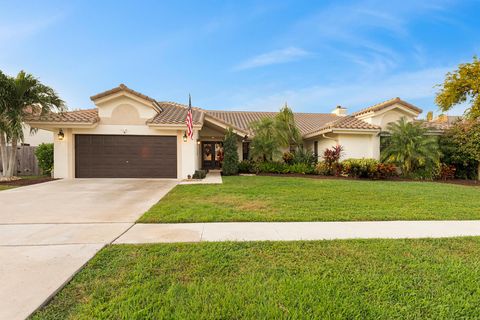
pixel 278 231
pixel 213 177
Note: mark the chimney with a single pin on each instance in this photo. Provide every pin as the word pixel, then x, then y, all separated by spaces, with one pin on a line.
pixel 340 111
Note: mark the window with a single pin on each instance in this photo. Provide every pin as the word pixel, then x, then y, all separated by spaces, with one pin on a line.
pixel 245 150
pixel 315 148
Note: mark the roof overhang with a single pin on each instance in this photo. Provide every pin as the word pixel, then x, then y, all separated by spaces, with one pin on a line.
pixel 51 125
pixel 116 95
pixel 341 131
pixel 223 125
pixel 397 105
pixel 172 126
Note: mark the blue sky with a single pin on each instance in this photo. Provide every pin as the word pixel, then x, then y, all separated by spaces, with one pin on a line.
pixel 242 55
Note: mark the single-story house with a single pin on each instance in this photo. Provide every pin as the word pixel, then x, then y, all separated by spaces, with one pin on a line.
pixel 131 135
pixel 35 138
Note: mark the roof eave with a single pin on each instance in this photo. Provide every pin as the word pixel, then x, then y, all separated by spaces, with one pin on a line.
pixel 61 124
pixel 176 126
pixel 371 110
pixel 340 130
pixel 224 125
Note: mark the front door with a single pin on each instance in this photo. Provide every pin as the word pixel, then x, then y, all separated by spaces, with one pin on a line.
pixel 212 154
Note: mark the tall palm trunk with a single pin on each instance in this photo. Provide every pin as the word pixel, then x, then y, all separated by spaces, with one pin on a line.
pixel 12 158
pixel 3 153
pixel 8 158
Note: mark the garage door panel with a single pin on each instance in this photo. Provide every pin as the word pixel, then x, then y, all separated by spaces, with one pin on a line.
pixel 111 156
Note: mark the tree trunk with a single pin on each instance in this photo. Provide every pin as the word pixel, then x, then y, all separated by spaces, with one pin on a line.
pixel 12 159
pixel 3 153
pixel 478 171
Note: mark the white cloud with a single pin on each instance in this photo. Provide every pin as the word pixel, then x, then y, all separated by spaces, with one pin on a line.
pixel 273 57
pixel 359 93
pixel 24 29
pixel 367 33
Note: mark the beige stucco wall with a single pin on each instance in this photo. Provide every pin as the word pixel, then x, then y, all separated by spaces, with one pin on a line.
pixel 63 156
pixel 360 145
pixel 106 108
pixel 354 145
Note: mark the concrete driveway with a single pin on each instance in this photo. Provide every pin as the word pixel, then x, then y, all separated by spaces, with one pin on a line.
pixel 49 231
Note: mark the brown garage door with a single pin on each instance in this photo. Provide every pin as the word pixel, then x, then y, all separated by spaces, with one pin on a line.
pixel 111 156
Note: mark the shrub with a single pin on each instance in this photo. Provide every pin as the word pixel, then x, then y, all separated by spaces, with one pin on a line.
pixel 246 166
pixel 271 167
pixel 199 174
pixel 301 168
pixel 44 154
pixel 411 148
pixel 386 170
pixel 230 159
pixel 322 169
pixel 360 168
pixel 331 157
pixel 446 171
pixel 454 146
pixel 288 157
pixel 302 155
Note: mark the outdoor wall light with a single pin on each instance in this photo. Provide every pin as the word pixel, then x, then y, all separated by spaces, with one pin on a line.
pixel 60 135
pixel 185 136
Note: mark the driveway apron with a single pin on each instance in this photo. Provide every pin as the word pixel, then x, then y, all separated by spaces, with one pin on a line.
pixel 50 230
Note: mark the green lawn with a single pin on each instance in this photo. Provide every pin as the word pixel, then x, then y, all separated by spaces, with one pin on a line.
pixel 303 199
pixel 354 279
pixel 2 187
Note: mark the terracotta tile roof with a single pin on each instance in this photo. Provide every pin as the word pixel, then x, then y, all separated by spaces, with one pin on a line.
pixel 436 126
pixel 350 122
pixel 175 113
pixel 306 122
pixel 120 88
pixel 347 122
pixel 77 116
pixel 386 104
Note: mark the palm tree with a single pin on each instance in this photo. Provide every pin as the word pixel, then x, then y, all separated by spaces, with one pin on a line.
pixel 410 147
pixel 265 144
pixel 287 130
pixel 20 97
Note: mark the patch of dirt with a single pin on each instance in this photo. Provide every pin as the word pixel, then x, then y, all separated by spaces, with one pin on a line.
pixel 26 182
pixel 314 176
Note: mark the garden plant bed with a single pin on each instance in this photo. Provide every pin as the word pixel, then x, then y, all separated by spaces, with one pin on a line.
pixel 354 279
pixel 26 181
pixel 267 198
pixel 463 182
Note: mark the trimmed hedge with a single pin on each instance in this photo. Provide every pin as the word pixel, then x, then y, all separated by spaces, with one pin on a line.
pixel 356 168
pixel 274 167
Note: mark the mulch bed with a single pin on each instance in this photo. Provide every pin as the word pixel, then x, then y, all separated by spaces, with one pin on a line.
pixel 315 176
pixel 26 182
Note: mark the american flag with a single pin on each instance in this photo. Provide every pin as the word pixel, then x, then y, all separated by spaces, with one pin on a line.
pixel 189 118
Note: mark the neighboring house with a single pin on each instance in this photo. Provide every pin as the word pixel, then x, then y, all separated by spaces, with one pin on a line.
pixel 36 138
pixel 131 135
